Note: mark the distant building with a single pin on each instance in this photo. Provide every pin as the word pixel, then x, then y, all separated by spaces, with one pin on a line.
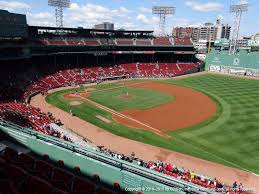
pixel 202 34
pixel 200 45
pixel 195 35
pixel 104 26
pixel 242 43
pixel 219 29
pixel 255 37
pixel 181 32
pixel 207 32
pixel 225 32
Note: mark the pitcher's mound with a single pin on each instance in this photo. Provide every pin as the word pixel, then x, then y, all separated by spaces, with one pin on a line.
pixel 126 96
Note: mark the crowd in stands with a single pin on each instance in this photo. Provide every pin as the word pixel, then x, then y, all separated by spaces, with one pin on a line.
pixel 24 115
pixel 36 118
pixel 177 172
pixel 56 131
pixel 16 118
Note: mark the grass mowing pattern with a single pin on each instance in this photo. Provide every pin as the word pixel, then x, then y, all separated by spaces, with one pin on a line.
pixel 230 138
pixel 141 98
pixel 234 136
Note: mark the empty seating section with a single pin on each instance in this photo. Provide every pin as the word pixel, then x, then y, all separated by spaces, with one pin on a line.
pixel 146 69
pixel 141 42
pixel 182 41
pixel 107 41
pixel 158 70
pixel 82 41
pixel 91 42
pixel 124 41
pixel 165 41
pixel 157 41
pixel 130 68
pixel 55 42
pixel 74 42
pixel 41 177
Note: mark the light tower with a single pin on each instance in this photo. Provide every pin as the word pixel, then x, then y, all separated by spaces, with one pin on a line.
pixel 238 10
pixel 59 5
pixel 162 11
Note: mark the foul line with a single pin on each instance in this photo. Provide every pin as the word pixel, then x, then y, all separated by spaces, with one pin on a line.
pixel 157 131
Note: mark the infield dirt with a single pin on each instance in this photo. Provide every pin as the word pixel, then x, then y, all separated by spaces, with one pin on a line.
pixel 189 108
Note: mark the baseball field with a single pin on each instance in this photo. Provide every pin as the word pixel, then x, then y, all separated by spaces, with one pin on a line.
pixel 212 117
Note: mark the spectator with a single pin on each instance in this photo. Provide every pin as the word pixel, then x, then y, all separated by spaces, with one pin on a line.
pixel 234 185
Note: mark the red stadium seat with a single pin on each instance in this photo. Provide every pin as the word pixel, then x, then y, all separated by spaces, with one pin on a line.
pixel 9 154
pixel 58 191
pixel 25 161
pixel 103 190
pixel 81 186
pixel 62 179
pixel 6 186
pixel 36 185
pixel 162 41
pixel 43 169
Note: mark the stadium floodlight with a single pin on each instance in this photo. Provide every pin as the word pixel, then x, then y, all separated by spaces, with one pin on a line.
pixel 162 11
pixel 59 5
pixel 238 10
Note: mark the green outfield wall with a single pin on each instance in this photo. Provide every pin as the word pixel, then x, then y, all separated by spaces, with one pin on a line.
pixel 242 63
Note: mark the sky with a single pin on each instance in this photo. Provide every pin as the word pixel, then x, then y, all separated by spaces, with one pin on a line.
pixel 136 14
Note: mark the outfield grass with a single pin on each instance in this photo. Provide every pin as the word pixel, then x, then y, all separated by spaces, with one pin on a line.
pixel 230 138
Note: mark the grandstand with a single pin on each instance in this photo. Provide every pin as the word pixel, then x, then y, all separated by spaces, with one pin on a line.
pixel 91 111
pixel 44 59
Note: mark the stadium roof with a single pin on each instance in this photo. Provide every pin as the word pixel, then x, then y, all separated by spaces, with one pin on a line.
pixel 92 30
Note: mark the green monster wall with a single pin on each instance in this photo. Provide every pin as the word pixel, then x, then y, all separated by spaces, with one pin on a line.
pixel 242 63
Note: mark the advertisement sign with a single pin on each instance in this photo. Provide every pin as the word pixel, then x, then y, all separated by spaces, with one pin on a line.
pixel 214 68
pixel 201 57
pixel 237 71
pixel 222 42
